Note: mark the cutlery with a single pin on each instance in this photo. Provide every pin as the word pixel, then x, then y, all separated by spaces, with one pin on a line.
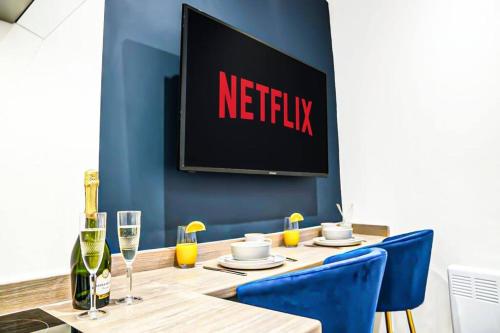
pixel 331 247
pixel 225 270
pixel 291 259
pixel 340 210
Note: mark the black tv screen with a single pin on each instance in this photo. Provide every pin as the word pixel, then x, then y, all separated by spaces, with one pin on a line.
pixel 247 107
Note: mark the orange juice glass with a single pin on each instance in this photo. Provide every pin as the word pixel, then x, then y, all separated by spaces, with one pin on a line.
pixel 291 233
pixel 186 249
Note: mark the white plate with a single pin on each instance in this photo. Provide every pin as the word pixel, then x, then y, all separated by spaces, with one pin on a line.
pixel 252 260
pixel 337 242
pixel 274 260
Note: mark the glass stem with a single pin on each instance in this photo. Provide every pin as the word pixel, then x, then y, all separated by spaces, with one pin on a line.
pixel 92 292
pixel 129 274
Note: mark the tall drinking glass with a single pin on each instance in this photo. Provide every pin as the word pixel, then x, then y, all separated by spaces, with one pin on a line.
pixel 92 240
pixel 186 249
pixel 129 232
pixel 291 233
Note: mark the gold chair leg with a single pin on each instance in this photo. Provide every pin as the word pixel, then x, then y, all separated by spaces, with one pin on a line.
pixel 388 322
pixel 410 321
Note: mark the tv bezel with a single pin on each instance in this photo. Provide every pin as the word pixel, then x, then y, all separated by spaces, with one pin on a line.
pixel 182 132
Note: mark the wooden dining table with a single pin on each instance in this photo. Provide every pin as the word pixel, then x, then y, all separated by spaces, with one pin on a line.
pixel 196 299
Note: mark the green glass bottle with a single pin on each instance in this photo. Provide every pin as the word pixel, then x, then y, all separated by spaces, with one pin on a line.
pixel 80 284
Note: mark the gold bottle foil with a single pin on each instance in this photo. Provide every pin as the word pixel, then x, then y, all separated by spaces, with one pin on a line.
pixel 91 183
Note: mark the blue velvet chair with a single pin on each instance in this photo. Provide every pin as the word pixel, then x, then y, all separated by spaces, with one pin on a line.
pixel 405 276
pixel 342 293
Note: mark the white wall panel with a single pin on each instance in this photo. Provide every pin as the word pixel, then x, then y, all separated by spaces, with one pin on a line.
pixel 49 134
pixel 417 93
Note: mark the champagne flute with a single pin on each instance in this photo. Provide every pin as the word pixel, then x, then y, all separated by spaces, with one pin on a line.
pixel 92 240
pixel 129 232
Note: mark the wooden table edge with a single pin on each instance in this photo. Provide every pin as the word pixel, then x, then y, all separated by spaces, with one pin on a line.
pixel 35 293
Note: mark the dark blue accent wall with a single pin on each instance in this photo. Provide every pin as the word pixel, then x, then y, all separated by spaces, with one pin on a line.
pixel 139 123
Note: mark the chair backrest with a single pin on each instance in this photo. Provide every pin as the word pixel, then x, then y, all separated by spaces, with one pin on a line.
pixel 342 294
pixel 405 276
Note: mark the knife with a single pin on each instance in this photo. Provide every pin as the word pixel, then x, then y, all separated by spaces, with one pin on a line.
pixel 225 270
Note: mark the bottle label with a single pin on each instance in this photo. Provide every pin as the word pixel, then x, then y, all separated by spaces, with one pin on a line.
pixel 103 284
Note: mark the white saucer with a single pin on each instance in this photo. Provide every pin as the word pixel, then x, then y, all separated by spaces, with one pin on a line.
pixel 274 260
pixel 337 242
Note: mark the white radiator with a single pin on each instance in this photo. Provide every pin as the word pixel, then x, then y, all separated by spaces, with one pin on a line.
pixel 475 299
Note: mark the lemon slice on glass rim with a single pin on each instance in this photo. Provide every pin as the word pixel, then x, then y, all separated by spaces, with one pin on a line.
pixel 195 226
pixel 296 217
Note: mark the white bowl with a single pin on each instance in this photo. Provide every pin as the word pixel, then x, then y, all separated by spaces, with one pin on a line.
pixel 330 224
pixel 252 250
pixel 337 233
pixel 255 236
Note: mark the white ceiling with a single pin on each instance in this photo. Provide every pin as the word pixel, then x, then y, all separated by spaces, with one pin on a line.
pixel 44 16
pixel 10 10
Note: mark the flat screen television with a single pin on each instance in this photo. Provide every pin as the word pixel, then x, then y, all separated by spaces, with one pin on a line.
pixel 247 107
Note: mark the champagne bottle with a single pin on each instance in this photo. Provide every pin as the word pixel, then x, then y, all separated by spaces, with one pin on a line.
pixel 80 284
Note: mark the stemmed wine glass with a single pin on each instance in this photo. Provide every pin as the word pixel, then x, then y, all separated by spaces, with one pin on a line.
pixel 92 240
pixel 129 232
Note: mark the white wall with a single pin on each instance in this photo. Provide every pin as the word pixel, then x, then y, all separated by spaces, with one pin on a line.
pixel 418 98
pixel 4 29
pixel 49 134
